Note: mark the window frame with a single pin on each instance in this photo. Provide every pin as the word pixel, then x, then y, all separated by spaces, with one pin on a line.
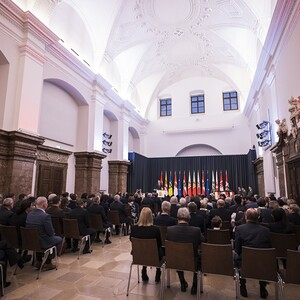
pixel 167 105
pixel 233 101
pixel 200 103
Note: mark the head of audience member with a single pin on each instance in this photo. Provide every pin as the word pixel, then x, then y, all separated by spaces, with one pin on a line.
pixel 64 202
pixel 203 203
pixel 273 204
pixel 183 215
pixel 291 201
pixel 192 206
pixel 50 197
pixel 146 218
pixel 272 196
pixel 187 199
pixel 65 194
pixel 220 203
pixel 8 203
pixel 12 196
pixel 279 215
pixel 252 215
pixel 55 201
pixel 117 198
pixel 73 196
pixel 41 202
pixel 182 202
pixel 216 222
pixel 22 197
pixel 294 209
pixel 165 207
pixel 174 200
pixel 84 196
pixel 261 202
pixel 228 200
pixel 238 199
pixel 96 200
pixel 26 206
pixel 81 203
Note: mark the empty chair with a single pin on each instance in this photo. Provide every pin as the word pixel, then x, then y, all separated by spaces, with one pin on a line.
pixel 114 218
pixel 218 236
pixel 30 241
pixel 217 259
pixel 180 256
pixel 266 270
pixel 145 253
pixel 71 230
pixel 283 241
pixel 58 229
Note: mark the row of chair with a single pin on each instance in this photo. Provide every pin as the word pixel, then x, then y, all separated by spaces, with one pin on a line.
pixel 216 259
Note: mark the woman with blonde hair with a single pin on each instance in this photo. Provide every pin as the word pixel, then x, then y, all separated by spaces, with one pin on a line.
pixel 144 229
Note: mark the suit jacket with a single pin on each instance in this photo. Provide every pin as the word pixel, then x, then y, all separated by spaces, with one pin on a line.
pixel 164 220
pixel 55 211
pixel 120 207
pixel 174 210
pixel 5 215
pixel 198 221
pixel 146 232
pixel 82 216
pixel 97 209
pixel 223 213
pixel 42 221
pixel 184 233
pixel 252 235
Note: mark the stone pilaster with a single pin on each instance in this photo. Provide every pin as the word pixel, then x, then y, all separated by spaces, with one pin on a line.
pixel 117 181
pixel 87 172
pixel 18 152
pixel 259 169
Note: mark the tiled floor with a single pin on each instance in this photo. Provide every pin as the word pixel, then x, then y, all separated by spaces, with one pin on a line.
pixel 104 275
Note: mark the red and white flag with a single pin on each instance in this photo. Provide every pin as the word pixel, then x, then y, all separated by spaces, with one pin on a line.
pixel 194 189
pixel 217 182
pixel 198 183
pixel 175 185
pixel 221 182
pixel 203 183
pixel 189 185
pixel 184 189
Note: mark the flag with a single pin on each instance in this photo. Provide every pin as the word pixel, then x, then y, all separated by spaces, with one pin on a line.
pixel 179 184
pixel 207 184
pixel 226 181
pixel 213 187
pixel 221 182
pixel 194 188
pixel 166 182
pixel 217 182
pixel 198 183
pixel 161 180
pixel 175 185
pixel 189 185
pixel 170 185
pixel 184 189
pixel 203 184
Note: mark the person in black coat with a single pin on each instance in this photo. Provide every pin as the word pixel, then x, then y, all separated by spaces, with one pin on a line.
pixel 254 235
pixel 220 211
pixel 6 211
pixel 164 218
pixel 120 207
pixel 293 215
pixel 184 233
pixel 144 229
pixel 196 220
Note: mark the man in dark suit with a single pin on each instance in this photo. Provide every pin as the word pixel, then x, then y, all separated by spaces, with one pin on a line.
pixel 196 220
pixel 120 207
pixel 220 211
pixel 164 219
pixel 184 233
pixel 39 219
pixel 54 210
pixel 81 214
pixel 251 234
pixel 6 211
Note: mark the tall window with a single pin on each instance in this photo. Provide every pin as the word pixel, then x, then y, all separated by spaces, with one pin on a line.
pixel 166 107
pixel 230 101
pixel 197 104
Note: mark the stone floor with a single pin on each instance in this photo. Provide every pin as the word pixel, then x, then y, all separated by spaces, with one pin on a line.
pixel 103 274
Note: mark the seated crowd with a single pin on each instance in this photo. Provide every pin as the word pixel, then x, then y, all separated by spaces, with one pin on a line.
pixel 250 219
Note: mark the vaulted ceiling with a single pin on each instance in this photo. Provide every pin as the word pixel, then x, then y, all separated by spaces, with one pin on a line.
pixel 143 46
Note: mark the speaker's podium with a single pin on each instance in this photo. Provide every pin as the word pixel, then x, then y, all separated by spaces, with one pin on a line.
pixel 161 193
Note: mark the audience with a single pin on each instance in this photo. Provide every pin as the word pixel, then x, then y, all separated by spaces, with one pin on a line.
pixel 6 211
pixel 164 218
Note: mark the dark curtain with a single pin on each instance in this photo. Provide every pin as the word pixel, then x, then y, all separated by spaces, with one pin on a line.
pixel 145 172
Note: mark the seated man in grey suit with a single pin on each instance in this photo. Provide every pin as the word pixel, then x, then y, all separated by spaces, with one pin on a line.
pixel 39 219
pixel 184 233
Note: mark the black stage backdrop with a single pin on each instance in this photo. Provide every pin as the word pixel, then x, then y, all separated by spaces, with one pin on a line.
pixel 145 172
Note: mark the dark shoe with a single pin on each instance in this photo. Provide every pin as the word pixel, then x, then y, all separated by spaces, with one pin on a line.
pixel 20 263
pixel 263 292
pixel 38 264
pixel 184 286
pixel 194 290
pixel 157 275
pixel 75 249
pixel 87 251
pixel 48 267
pixel 27 258
pixel 243 291
pixel 145 277
pixel 107 241
pixel 7 284
pixel 97 240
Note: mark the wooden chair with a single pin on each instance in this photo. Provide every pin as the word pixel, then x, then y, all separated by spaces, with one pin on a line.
pixel 145 253
pixel 226 225
pixel 2 277
pixel 265 270
pixel 71 230
pixel 291 274
pixel 114 218
pixel 10 234
pixel 282 241
pixel 297 232
pixel 97 223
pixel 58 229
pixel 180 256
pixel 163 234
pixel 30 241
pixel 218 236
pixel 217 259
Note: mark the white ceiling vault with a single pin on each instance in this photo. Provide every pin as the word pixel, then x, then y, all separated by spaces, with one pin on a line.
pixel 143 46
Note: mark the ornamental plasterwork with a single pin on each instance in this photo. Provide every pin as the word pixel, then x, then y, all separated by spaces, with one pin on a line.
pixel 295 115
pixel 53 157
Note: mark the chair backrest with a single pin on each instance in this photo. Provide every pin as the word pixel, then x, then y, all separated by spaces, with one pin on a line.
pixel 259 263
pixel 218 236
pixel 217 259
pixel 71 229
pixel 30 239
pixel 163 234
pixel 113 217
pixel 96 222
pixel 297 231
pixel 10 234
pixel 226 225
pixel 283 241
pixel 145 252
pixel 57 225
pixel 180 256
pixel 292 267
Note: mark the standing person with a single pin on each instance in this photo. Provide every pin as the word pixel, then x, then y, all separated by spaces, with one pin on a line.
pixel 144 229
pixel 254 235
pixel 184 233
pixel 38 218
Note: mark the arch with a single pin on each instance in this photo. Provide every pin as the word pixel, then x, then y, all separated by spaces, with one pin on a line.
pixel 110 115
pixel 198 150
pixel 134 132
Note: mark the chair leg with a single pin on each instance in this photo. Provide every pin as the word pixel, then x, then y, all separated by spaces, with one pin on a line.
pixel 2 281
pixel 162 282
pixel 62 245
pixel 138 273
pixel 237 283
pixel 129 280
pixel 199 284
pixel 168 278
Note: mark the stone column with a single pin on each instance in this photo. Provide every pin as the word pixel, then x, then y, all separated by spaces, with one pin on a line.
pixel 259 168
pixel 117 181
pixel 87 172
pixel 18 153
